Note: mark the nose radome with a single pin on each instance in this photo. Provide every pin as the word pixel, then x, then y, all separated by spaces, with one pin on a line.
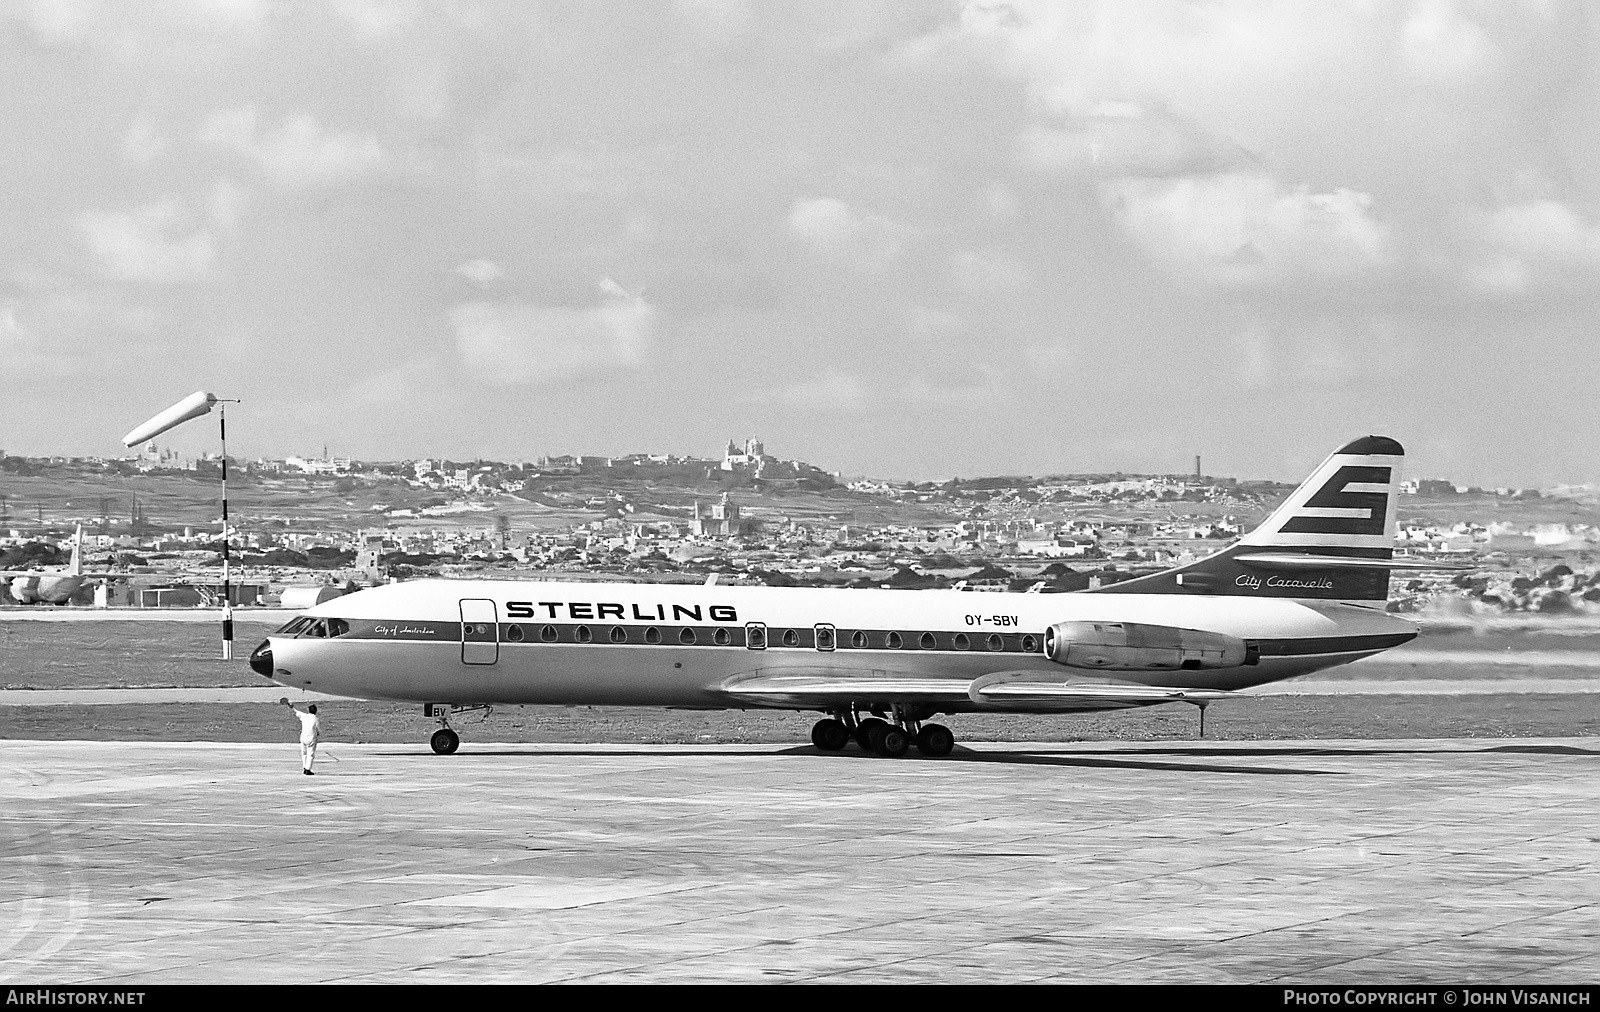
pixel 261 659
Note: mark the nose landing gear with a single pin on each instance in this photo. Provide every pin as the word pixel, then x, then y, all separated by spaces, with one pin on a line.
pixel 445 741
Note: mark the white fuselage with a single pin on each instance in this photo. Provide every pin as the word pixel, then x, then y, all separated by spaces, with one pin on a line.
pixel 45 588
pixel 475 641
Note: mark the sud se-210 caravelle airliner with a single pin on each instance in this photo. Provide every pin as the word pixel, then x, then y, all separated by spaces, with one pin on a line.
pixel 1302 592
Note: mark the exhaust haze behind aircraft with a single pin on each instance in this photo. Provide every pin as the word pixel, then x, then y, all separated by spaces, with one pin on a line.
pixel 1302 592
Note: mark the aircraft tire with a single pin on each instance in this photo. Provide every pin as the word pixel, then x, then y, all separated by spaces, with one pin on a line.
pixel 892 742
pixel 445 741
pixel 864 733
pixel 829 735
pixel 935 740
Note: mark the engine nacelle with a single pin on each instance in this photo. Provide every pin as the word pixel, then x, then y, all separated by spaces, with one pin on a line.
pixel 1132 646
pixel 25 589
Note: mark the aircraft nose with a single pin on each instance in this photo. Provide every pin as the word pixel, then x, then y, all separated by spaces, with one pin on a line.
pixel 261 659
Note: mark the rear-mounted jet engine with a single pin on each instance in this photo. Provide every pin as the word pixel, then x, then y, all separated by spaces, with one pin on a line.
pixel 1132 646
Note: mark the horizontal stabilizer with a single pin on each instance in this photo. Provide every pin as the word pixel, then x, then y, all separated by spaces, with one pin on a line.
pixel 1293 560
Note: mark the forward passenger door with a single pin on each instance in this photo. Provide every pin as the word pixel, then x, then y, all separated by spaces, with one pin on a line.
pixel 480 631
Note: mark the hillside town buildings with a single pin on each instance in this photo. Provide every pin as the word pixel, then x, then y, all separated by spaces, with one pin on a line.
pixel 462 517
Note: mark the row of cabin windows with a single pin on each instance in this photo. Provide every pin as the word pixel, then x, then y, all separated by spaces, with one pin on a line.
pixel 618 634
pixel 757 636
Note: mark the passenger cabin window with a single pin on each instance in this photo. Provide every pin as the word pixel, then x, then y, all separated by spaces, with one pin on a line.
pixel 549 634
pixel 791 638
pixel 892 641
pixel 686 637
pixel 1029 644
pixel 927 642
pixel 961 642
pixel 722 637
pixel 755 636
pixel 652 635
pixel 994 642
pixel 824 637
pixel 858 639
pixel 619 634
pixel 582 634
pixel 514 634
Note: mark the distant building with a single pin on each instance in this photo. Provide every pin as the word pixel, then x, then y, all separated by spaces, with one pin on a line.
pixel 752 454
pixel 369 554
pixel 720 520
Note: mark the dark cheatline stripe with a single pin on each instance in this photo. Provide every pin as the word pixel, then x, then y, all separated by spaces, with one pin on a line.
pixel 1332 644
pixel 779 638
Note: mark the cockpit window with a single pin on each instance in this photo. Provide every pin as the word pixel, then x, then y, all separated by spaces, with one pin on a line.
pixel 318 628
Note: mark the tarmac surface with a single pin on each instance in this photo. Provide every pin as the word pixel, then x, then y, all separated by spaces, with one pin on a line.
pixel 1453 861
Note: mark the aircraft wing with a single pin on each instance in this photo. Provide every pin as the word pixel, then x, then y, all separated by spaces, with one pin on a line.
pixel 823 687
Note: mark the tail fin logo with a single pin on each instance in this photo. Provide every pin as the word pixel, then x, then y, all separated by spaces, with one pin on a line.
pixel 1355 501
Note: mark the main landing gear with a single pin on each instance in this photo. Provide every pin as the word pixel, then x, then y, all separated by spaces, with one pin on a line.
pixel 874 734
pixel 445 741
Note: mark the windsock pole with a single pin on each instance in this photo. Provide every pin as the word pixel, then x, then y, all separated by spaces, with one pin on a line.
pixel 193 406
pixel 227 589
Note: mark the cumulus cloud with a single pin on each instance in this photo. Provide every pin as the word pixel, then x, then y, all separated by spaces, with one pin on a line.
pixel 1246 229
pixel 377 18
pixel 10 329
pixel 985 272
pixel 834 392
pixel 397 384
pixel 156 244
pixel 1515 248
pixel 299 152
pixel 143 141
pixel 225 204
pixel 838 393
pixel 832 229
pixel 1352 146
pixel 1114 139
pixel 482 273
pixel 522 343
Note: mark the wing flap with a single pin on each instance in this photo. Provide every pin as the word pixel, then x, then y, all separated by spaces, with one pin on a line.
pixel 1006 690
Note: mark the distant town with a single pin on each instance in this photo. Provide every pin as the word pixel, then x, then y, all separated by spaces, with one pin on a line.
pixel 746 517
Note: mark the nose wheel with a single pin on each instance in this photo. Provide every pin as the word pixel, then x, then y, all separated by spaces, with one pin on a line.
pixel 445 741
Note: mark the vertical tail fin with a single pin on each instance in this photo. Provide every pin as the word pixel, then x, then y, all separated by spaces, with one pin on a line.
pixel 1332 539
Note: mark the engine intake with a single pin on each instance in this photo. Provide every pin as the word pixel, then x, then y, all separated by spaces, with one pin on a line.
pixel 1132 646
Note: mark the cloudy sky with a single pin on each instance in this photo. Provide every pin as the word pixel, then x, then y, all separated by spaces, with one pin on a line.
pixel 898 239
